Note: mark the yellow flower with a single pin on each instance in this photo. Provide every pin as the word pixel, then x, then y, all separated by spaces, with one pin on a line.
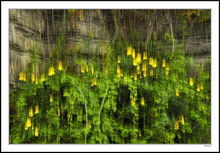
pixel 135 76
pixel 30 111
pixel 176 125
pixel 151 72
pixel 191 81
pixel 177 92
pixel 51 98
pixel 92 70
pixel 87 68
pixel 28 122
pixel 182 120
pixel 24 77
pixel 151 61
pixel 145 74
pixel 133 53
pixel 60 67
pixel 82 69
pixel 36 109
pixel 154 63
pixel 26 127
pixel 140 133
pixel 58 112
pixel 36 132
pixel 138 59
pixel 95 81
pixel 33 77
pixel 135 62
pixel 198 87
pixel 144 66
pixel 164 63
pixel 201 86
pixel 145 56
pixel 118 69
pixel 42 77
pixel 21 76
pixel 129 50
pixel 51 71
pixel 142 101
pixel 36 80
pixel 138 67
pixel 119 59
pixel 133 102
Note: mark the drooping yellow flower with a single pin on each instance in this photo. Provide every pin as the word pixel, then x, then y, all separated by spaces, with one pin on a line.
pixel 138 59
pixel 21 76
pixel 82 69
pixel 140 133
pixel 176 125
pixel 191 81
pixel 145 56
pixel 151 61
pixel 36 109
pixel 142 101
pixel 201 86
pixel 92 70
pixel 26 127
pixel 58 111
pixel 177 92
pixel 30 111
pixel 87 68
pixel 119 59
pixel 118 69
pixel 28 122
pixel 133 102
pixel 151 72
pixel 36 80
pixel 33 77
pixel 133 53
pixel 198 87
pixel 135 62
pixel 51 71
pixel 60 66
pixel 144 66
pixel 182 120
pixel 42 77
pixel 95 81
pixel 135 76
pixel 138 67
pixel 145 73
pixel 154 65
pixel 129 50
pixel 36 132
pixel 51 97
pixel 164 63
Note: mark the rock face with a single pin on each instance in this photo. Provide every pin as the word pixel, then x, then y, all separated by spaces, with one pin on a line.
pixel 42 28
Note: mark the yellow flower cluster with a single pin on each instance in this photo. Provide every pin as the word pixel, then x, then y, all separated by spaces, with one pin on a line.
pixel 36 132
pixel 92 70
pixel 129 50
pixel 119 59
pixel 144 69
pixel 94 82
pixel 191 81
pixel 51 71
pixel 36 109
pixel 164 63
pixel 51 97
pixel 179 120
pixel 42 77
pixel 28 123
pixel 142 101
pixel 22 76
pixel 30 111
pixel 153 62
pixel 177 92
pixel 60 66
pixel 138 58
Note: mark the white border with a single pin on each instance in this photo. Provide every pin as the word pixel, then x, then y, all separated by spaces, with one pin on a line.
pixel 109 5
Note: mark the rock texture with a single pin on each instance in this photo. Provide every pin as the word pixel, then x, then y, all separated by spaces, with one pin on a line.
pixel 42 28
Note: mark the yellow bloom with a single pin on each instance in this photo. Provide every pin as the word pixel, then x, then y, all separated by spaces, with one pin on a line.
pixel 118 69
pixel 145 56
pixel 129 50
pixel 21 76
pixel 133 102
pixel 154 63
pixel 138 67
pixel 164 63
pixel 26 127
pixel 138 59
pixel 133 53
pixel 51 71
pixel 176 125
pixel 191 81
pixel 36 80
pixel 135 76
pixel 28 122
pixel 51 98
pixel 58 112
pixel 151 72
pixel 30 111
pixel 119 59
pixel 36 109
pixel 87 68
pixel 182 120
pixel 145 74
pixel 33 77
pixel 42 77
pixel 198 87
pixel 201 86
pixel 177 92
pixel 142 101
pixel 24 77
pixel 95 81
pixel 60 67
pixel 92 70
pixel 140 133
pixel 151 61
pixel 36 132
pixel 135 62
pixel 144 66
pixel 82 69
